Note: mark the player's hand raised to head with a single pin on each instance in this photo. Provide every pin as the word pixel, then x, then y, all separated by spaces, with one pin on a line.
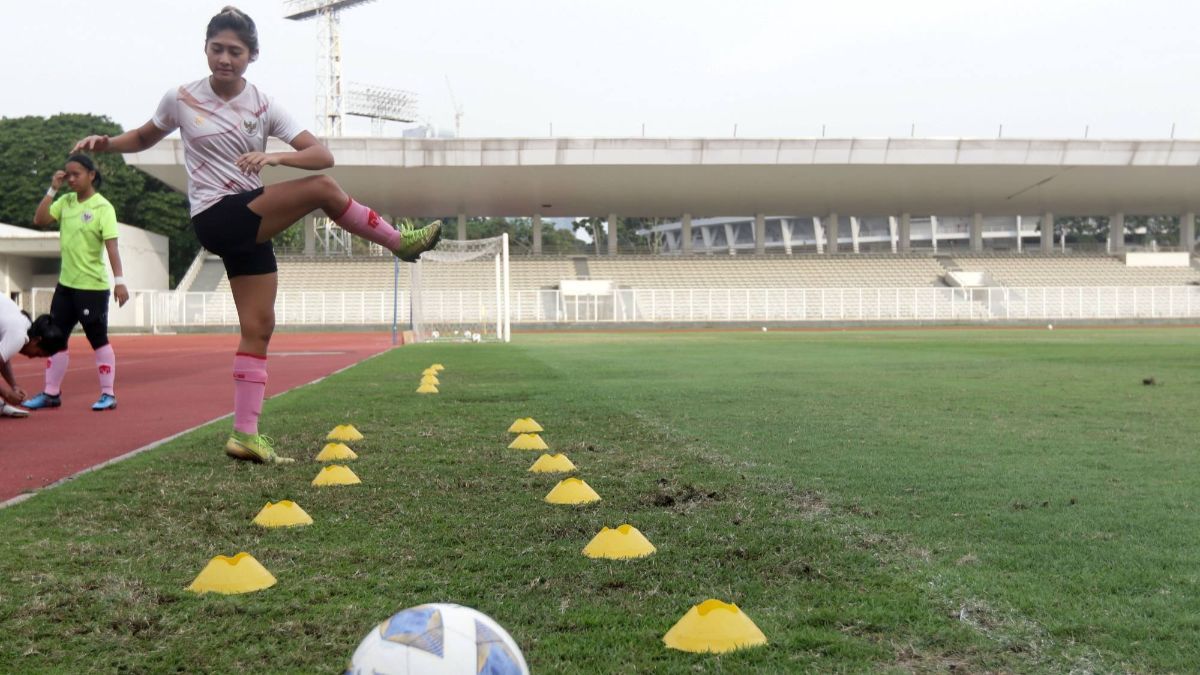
pixel 95 143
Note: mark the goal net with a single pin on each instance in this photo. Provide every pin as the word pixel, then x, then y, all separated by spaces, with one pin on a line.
pixel 460 290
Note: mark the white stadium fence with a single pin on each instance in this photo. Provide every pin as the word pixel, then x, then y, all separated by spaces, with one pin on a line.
pixel 169 310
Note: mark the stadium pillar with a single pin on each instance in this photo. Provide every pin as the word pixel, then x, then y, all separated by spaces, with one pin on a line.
pixel 537 234
pixel 1047 225
pixel 310 236
pixel 831 234
pixel 977 232
pixel 760 234
pixel 462 226
pixel 612 234
pixel 1187 232
pixel 1116 233
pixel 905 235
pixel 686 241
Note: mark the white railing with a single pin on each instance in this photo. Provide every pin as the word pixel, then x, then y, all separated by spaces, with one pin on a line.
pixel 715 305
pixel 161 310
pixel 166 309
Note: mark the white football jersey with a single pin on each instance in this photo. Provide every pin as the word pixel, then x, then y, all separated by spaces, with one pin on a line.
pixel 216 132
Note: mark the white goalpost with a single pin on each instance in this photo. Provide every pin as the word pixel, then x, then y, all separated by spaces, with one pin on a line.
pixel 461 291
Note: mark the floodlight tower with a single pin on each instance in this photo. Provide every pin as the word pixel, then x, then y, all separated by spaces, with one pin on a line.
pixel 380 104
pixel 329 56
pixel 333 103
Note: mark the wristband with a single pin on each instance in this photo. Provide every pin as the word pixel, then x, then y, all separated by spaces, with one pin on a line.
pixel 50 192
pixel 118 281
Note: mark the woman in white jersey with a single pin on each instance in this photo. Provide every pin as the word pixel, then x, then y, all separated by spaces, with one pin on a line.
pixel 19 335
pixel 224 122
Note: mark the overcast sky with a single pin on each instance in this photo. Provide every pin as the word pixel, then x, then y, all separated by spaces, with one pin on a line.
pixel 681 68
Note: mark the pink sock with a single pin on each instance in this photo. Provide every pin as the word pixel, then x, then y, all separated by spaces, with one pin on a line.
pixel 56 370
pixel 106 367
pixel 363 222
pixel 249 388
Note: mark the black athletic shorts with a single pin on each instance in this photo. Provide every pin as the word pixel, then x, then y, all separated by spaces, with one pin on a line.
pixel 229 229
pixel 72 306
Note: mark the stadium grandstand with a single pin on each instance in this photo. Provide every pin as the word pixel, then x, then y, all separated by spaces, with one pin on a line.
pixel 886 230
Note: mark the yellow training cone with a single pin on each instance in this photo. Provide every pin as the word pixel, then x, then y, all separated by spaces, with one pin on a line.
pixel 427 389
pixel 438 367
pixel 336 475
pixel 529 442
pixel 552 464
pixel 572 491
pixel 525 425
pixel 239 574
pixel 625 541
pixel 335 451
pixel 429 371
pixel 344 432
pixel 714 626
pixel 430 379
pixel 282 514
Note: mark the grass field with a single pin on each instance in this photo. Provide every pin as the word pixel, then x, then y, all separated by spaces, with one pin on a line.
pixel 1010 500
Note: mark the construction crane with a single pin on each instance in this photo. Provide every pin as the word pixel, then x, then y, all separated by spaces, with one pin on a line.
pixel 458 110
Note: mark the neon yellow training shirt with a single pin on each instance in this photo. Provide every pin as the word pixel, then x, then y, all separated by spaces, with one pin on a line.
pixel 83 229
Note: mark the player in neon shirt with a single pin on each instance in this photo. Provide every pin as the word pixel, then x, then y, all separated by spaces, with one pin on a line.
pixel 87 226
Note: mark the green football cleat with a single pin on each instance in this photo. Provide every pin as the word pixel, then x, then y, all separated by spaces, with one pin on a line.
pixel 253 448
pixel 415 242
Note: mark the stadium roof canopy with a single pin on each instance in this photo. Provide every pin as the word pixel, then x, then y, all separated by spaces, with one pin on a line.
pixel 728 177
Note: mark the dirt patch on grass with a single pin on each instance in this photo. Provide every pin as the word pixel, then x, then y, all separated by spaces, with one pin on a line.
pixel 667 495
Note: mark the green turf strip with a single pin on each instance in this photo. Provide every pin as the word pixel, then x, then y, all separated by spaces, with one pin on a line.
pixel 1007 500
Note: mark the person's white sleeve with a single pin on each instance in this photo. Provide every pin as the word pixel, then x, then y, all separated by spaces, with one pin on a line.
pixel 283 125
pixel 12 338
pixel 166 117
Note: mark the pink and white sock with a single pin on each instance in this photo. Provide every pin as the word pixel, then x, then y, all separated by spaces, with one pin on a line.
pixel 249 389
pixel 106 368
pixel 56 370
pixel 363 222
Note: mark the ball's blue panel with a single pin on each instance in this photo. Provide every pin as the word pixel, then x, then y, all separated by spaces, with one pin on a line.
pixel 418 627
pixel 493 657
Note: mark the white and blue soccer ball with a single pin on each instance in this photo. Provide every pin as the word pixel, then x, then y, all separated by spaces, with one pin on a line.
pixel 436 334
pixel 438 639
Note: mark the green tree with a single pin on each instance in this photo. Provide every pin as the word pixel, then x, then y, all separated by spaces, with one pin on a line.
pixel 592 226
pixel 628 239
pixel 1087 230
pixel 1092 231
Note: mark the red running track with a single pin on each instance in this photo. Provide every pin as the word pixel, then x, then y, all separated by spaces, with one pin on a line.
pixel 50 445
